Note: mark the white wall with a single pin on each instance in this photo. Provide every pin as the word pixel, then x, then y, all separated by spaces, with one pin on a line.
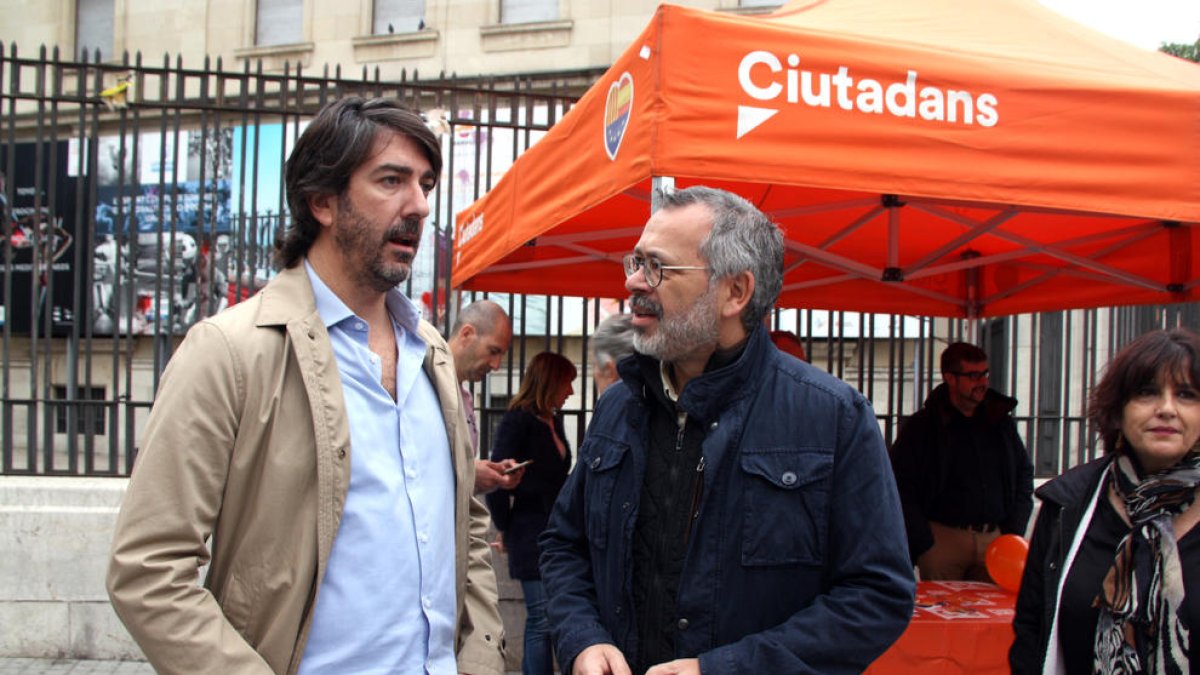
pixel 54 535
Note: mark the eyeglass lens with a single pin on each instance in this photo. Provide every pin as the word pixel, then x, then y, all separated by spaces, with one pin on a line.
pixel 974 375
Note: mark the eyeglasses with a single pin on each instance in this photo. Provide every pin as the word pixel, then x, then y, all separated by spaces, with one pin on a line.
pixel 651 268
pixel 974 376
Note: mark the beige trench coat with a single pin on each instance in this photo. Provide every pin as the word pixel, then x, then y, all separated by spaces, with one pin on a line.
pixel 248 443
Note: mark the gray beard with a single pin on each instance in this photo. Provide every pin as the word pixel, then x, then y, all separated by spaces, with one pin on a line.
pixel 679 336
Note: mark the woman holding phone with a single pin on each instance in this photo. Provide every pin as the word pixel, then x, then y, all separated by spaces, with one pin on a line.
pixel 531 431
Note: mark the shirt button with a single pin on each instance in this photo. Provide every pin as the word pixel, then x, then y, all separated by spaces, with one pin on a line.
pixel 341 453
pixel 428 603
pixel 410 473
pixel 713 426
pixel 596 463
pixel 788 478
pixel 424 538
pixel 683 624
pixel 360 325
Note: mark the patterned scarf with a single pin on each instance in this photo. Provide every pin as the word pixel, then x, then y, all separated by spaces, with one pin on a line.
pixel 1139 630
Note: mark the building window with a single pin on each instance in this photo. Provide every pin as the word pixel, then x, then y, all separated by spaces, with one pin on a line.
pixel 398 16
pixel 94 27
pixel 278 22
pixel 528 11
pixel 89 418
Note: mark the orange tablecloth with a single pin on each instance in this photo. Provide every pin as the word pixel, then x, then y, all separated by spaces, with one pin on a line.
pixel 957 627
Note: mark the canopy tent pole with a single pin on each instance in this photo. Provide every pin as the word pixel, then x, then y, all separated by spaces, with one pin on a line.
pixel 971 279
pixel 659 186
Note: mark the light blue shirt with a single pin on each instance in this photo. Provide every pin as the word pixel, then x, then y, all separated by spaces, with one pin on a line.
pixel 387 603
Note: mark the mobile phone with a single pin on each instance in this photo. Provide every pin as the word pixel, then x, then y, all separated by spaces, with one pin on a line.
pixel 516 467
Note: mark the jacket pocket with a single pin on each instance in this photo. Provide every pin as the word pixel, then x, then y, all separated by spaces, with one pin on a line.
pixel 237 602
pixel 602 460
pixel 787 505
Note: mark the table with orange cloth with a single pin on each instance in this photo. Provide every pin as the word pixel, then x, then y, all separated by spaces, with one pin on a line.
pixel 957 627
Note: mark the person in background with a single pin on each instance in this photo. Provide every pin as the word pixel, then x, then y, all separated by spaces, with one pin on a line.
pixel 732 509
pixel 963 473
pixel 612 341
pixel 532 431
pixel 1112 579
pixel 482 334
pixel 787 342
pixel 308 446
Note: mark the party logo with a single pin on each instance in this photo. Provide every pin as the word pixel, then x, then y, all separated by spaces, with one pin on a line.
pixel 617 109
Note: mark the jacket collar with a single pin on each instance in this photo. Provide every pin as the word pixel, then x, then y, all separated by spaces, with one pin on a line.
pixel 288 297
pixel 705 396
pixel 995 406
pixel 1076 485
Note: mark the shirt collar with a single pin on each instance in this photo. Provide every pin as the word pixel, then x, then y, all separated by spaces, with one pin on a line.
pixel 333 311
pixel 664 372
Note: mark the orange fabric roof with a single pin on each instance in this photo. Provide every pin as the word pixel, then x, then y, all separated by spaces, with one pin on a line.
pixel 922 157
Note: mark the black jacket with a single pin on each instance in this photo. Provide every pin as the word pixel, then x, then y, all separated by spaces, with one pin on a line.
pixel 921 459
pixel 521 513
pixel 1064 501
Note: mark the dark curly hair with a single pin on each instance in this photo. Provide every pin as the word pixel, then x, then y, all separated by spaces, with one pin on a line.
pixel 336 142
pixel 1174 353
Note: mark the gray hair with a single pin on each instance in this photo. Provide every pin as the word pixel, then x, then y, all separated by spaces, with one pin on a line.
pixel 613 339
pixel 742 239
pixel 485 315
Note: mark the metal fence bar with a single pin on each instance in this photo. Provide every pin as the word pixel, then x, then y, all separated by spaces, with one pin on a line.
pixel 156 249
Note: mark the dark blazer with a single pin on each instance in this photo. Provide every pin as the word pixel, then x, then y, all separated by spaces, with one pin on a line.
pixel 521 514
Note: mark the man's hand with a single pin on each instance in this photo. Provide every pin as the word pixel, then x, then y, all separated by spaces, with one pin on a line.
pixel 498 543
pixel 676 667
pixel 603 659
pixel 490 475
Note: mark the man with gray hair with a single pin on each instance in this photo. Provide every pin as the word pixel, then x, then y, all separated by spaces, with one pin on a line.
pixel 732 509
pixel 611 342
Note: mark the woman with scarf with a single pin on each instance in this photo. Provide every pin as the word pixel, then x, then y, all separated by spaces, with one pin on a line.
pixel 532 431
pixel 1122 528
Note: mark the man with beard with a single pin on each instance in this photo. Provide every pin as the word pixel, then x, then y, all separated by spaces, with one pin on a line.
pixel 313 439
pixel 732 509
pixel 963 473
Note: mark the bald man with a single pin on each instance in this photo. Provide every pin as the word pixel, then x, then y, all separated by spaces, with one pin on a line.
pixel 480 339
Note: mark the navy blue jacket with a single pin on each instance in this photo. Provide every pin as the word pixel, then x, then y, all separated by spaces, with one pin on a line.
pixel 521 513
pixel 797 562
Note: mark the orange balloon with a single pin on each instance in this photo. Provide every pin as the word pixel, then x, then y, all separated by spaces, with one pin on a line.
pixel 1005 560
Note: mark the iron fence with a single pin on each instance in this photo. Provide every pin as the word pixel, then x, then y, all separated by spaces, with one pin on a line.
pixel 139 198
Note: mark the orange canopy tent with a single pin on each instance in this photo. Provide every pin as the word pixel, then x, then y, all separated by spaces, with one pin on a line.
pixel 931 157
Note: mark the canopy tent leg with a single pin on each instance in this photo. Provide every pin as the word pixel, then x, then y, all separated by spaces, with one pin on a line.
pixel 659 186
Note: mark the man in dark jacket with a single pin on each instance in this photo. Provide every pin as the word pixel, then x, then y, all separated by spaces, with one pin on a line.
pixel 732 510
pixel 963 473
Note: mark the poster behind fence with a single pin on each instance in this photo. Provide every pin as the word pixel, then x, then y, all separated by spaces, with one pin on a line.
pixel 163 229
pixel 38 275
